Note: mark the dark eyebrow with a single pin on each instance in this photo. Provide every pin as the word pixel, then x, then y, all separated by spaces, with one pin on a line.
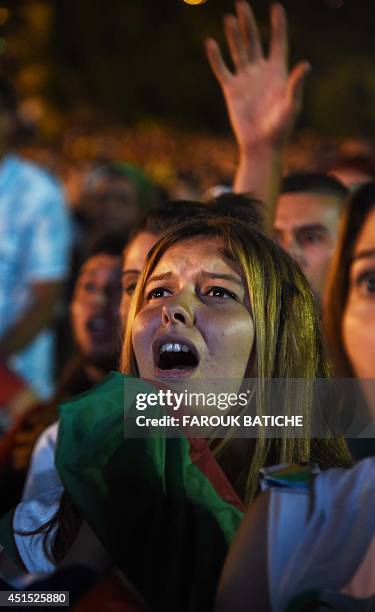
pixel 159 277
pixel 230 277
pixel 89 272
pixel 311 228
pixel 130 272
pixel 364 254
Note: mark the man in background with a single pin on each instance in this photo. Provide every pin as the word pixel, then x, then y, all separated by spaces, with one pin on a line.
pixel 34 257
pixel 306 222
pixel 263 99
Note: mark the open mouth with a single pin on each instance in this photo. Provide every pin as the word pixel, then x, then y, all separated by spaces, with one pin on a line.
pixel 175 358
pixel 100 326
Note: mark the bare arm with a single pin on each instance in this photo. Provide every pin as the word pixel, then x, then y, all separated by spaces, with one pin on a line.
pixel 38 316
pixel 263 100
pixel 243 583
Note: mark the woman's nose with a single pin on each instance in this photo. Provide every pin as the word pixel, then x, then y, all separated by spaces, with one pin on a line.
pixel 294 249
pixel 178 311
pixel 101 300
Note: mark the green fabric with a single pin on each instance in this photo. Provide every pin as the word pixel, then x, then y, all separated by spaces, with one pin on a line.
pixel 146 188
pixel 155 511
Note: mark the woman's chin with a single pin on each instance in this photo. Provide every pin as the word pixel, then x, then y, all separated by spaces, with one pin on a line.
pixel 174 374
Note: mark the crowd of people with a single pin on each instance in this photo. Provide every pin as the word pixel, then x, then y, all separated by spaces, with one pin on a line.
pixel 270 278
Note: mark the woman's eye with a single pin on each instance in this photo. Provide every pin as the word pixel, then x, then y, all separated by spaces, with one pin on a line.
pixel 89 287
pixel 312 238
pixel 220 292
pixel 366 283
pixel 159 292
pixel 129 289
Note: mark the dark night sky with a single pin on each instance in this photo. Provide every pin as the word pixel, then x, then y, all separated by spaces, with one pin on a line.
pixel 130 60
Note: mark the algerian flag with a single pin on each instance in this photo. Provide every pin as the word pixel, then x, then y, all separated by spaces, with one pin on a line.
pixel 161 506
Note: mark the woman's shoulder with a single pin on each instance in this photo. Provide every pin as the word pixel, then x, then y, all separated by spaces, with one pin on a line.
pixel 319 537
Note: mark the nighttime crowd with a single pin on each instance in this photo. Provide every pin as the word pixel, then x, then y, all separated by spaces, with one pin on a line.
pixel 271 277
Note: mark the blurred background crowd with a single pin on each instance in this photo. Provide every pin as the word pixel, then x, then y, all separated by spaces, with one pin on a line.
pixel 113 128
pixel 92 88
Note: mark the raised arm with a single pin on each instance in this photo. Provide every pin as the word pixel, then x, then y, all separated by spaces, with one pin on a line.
pixel 263 100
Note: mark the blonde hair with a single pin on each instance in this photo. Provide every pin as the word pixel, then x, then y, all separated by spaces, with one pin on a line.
pixel 287 333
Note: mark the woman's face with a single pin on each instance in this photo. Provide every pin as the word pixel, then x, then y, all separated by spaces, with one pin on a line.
pixel 195 322
pixel 134 260
pixel 358 324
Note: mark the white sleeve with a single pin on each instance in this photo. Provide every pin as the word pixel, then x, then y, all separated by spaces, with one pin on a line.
pixel 287 519
pixel 40 502
pixel 48 256
pixel 42 472
pixel 323 540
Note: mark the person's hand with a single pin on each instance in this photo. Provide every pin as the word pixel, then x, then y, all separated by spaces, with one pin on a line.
pixel 263 99
pixel 27 431
pixel 23 448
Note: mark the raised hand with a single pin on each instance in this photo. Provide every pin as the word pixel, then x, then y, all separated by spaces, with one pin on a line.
pixel 263 99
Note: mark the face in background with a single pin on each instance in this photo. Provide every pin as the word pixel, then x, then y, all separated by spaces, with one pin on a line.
pixel 351 177
pixel 306 227
pixel 113 206
pixel 95 308
pixel 134 260
pixel 195 322
pixel 358 323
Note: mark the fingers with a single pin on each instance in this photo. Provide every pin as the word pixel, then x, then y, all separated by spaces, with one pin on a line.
pixel 235 42
pixel 279 35
pixel 216 61
pixel 249 31
pixel 243 41
pixel 296 83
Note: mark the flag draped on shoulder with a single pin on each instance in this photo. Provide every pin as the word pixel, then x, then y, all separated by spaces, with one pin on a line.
pixel 162 507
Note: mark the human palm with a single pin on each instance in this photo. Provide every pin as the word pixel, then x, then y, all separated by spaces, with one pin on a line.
pixel 262 97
